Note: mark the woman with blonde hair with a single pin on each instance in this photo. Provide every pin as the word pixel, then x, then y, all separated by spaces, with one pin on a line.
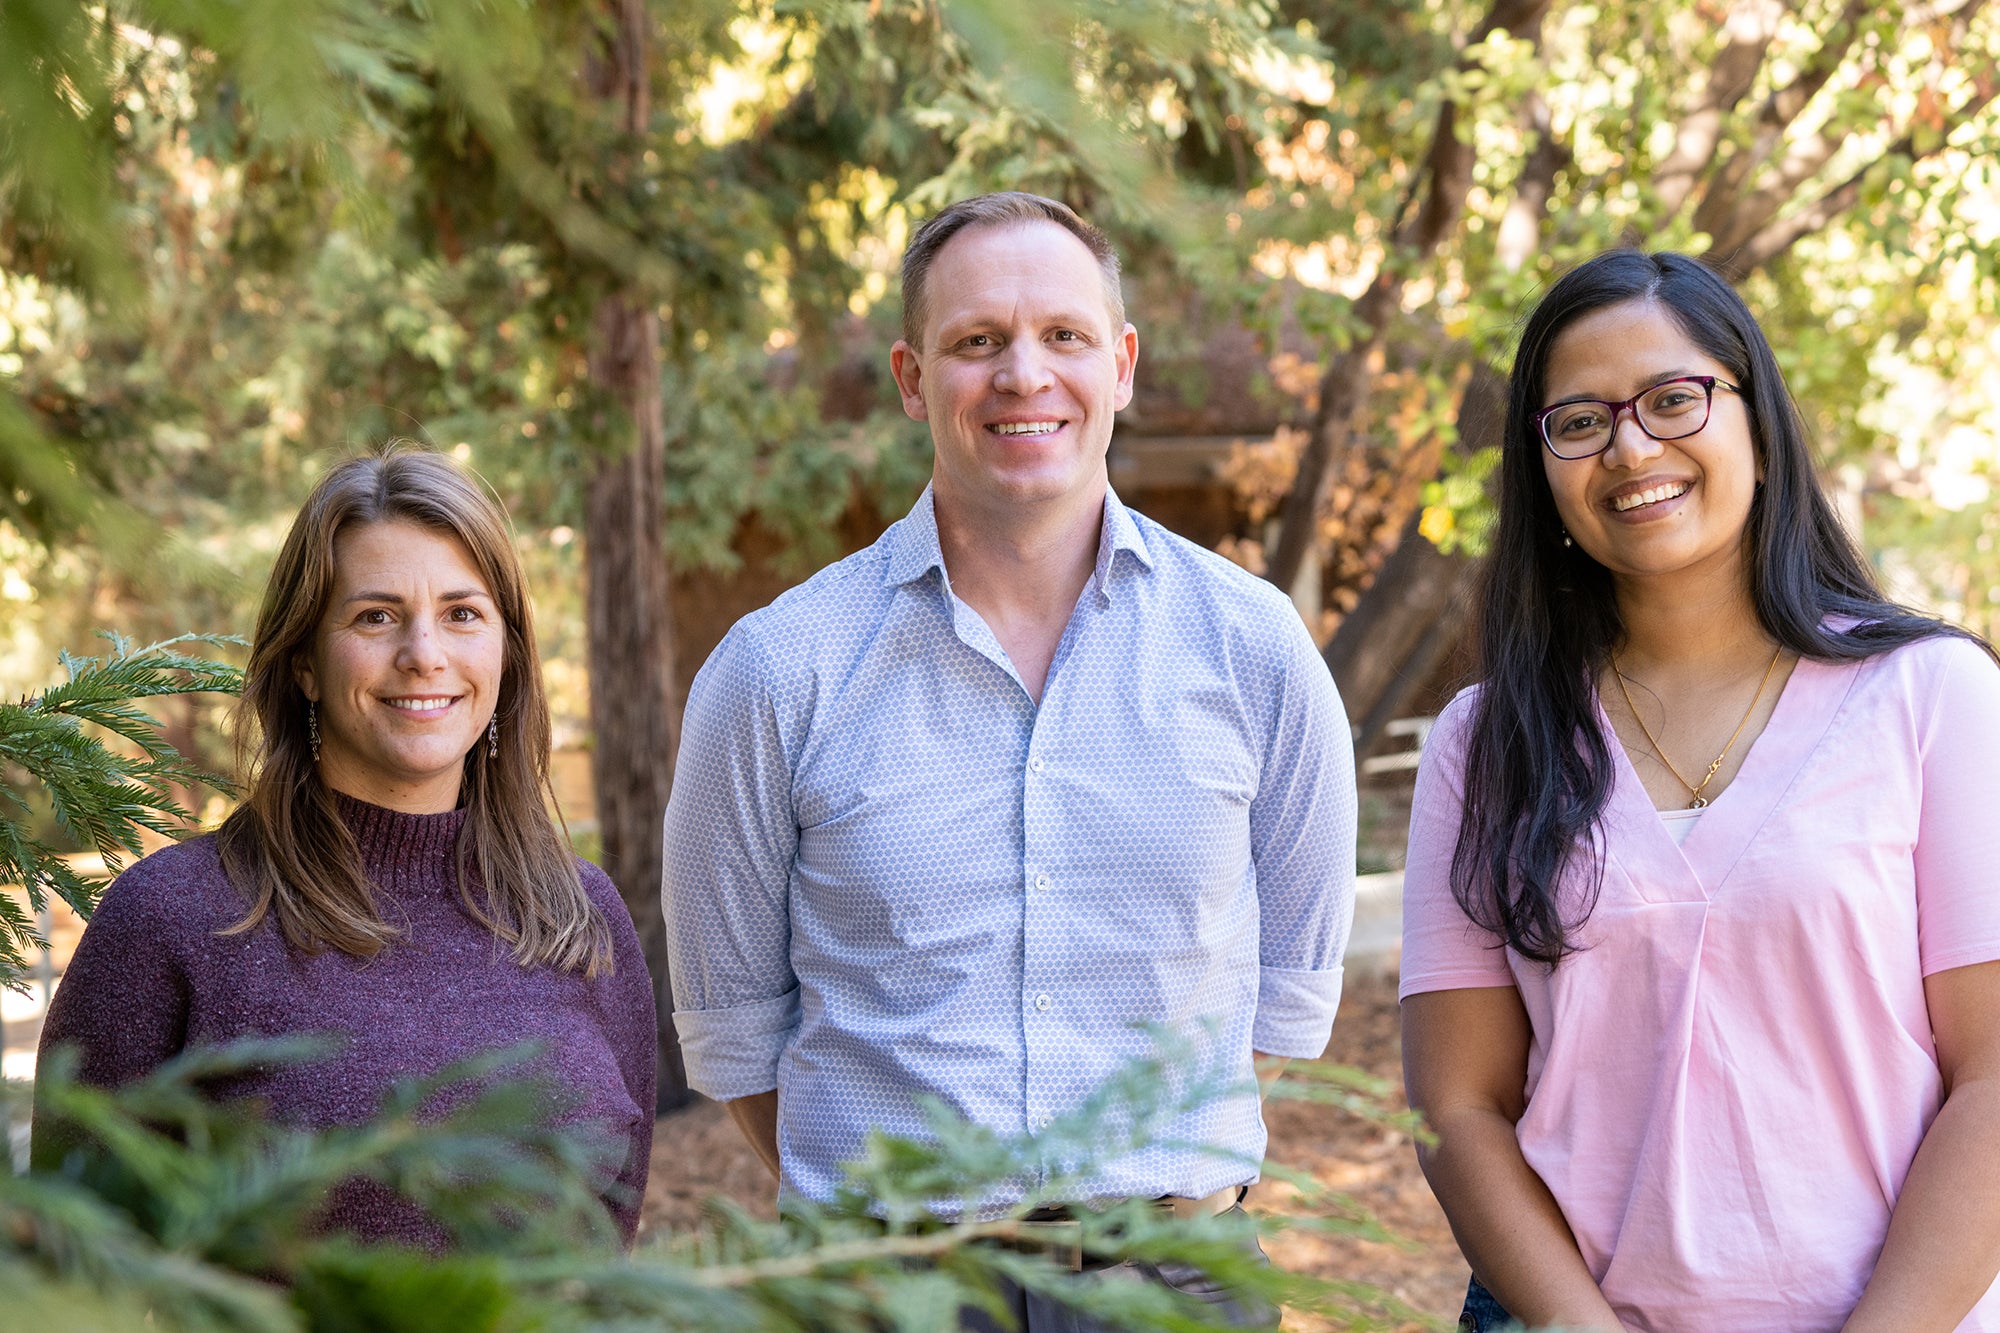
pixel 393 876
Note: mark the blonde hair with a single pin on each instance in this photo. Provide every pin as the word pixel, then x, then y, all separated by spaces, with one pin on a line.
pixel 286 847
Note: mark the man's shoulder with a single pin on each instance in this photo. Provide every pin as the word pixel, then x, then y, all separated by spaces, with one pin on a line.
pixel 845 594
pixel 808 630
pixel 1192 571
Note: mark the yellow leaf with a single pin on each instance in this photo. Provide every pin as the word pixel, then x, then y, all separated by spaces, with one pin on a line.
pixel 1436 524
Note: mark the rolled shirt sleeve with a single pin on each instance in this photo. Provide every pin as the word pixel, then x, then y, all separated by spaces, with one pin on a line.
pixel 731 836
pixel 1302 831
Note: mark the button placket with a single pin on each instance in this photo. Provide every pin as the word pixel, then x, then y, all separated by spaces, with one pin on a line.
pixel 1040 947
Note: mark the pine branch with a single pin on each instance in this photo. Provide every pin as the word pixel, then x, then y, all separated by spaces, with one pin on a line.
pixel 102 798
pixel 168 1199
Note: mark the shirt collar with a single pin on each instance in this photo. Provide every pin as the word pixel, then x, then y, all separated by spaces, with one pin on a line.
pixel 914 550
pixel 913 544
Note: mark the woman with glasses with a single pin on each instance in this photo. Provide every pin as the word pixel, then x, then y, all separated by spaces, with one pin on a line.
pixel 1701 924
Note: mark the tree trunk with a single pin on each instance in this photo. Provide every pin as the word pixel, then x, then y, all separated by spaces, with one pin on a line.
pixel 629 611
pixel 1399 634
pixel 1419 607
pixel 1344 389
pixel 628 605
pixel 1343 392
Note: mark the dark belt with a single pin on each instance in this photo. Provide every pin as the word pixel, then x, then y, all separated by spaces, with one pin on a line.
pixel 1057 1231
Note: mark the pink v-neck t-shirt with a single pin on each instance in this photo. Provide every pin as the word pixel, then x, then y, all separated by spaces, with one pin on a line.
pixel 1727 1085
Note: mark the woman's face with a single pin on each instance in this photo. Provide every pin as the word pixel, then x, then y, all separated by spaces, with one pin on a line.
pixel 1646 508
pixel 406 666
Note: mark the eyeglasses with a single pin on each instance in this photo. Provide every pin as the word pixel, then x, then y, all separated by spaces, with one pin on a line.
pixel 1673 410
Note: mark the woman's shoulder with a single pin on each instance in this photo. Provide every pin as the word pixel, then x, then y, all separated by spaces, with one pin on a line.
pixel 181 872
pixel 177 890
pixel 603 894
pixel 1455 719
pixel 1936 666
pixel 629 956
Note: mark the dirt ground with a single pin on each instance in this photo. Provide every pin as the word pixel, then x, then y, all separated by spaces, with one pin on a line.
pixel 698 1153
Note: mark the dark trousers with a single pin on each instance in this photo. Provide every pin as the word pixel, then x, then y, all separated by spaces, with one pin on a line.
pixel 1038 1314
pixel 1483 1314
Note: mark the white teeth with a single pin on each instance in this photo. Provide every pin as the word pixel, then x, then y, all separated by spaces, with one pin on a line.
pixel 1653 496
pixel 1026 427
pixel 419 705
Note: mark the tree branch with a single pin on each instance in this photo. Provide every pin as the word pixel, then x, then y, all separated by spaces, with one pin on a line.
pixel 1725 187
pixel 1449 160
pixel 1808 156
pixel 1749 28
pixel 1779 236
pixel 1521 225
pixel 1753 212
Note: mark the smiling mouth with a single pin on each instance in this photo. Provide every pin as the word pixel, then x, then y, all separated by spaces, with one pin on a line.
pixel 420 706
pixel 1026 427
pixel 1651 496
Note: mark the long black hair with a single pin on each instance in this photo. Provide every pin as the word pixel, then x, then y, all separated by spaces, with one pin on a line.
pixel 1538 767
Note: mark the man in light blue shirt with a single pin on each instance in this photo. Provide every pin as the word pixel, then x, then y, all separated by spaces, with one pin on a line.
pixel 967 811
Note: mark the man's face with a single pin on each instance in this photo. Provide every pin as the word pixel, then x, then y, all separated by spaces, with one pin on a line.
pixel 1020 370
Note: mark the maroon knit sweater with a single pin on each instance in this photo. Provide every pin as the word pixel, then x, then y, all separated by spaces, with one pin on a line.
pixel 152 977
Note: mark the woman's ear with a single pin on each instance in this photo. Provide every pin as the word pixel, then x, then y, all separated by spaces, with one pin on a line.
pixel 302 673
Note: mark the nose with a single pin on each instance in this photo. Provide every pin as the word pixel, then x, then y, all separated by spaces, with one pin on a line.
pixel 1630 443
pixel 420 651
pixel 1023 368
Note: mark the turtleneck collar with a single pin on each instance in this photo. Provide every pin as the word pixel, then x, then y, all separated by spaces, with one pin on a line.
pixel 400 851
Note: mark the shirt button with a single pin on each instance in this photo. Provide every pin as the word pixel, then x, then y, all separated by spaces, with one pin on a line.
pixel 1035 764
pixel 1043 1001
pixel 1041 881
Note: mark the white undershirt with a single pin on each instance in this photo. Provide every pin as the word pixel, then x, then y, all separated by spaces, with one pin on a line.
pixel 1680 823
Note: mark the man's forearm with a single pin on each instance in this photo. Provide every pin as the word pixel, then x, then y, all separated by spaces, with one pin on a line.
pixel 757 1116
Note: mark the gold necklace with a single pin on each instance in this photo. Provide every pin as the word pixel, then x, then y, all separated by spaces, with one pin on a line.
pixel 1697 800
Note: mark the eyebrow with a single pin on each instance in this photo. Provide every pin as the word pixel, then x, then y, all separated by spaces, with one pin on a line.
pixel 1062 319
pixel 1653 383
pixel 397 599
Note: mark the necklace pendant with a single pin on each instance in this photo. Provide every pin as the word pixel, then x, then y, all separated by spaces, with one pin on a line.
pixel 1698 803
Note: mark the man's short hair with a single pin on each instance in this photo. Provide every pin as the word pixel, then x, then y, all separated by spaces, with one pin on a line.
pixel 1008 207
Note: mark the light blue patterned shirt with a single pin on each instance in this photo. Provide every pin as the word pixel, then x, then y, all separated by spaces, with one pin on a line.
pixel 889 873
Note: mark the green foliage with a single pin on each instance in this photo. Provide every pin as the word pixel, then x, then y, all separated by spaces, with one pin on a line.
pixel 1457 513
pixel 102 796
pixel 160 1207
pixel 280 229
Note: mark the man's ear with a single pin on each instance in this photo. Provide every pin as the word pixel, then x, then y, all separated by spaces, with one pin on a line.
pixel 1127 349
pixel 909 375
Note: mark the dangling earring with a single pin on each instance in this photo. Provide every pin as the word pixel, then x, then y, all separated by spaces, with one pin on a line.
pixel 1567 543
pixel 312 728
pixel 493 737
